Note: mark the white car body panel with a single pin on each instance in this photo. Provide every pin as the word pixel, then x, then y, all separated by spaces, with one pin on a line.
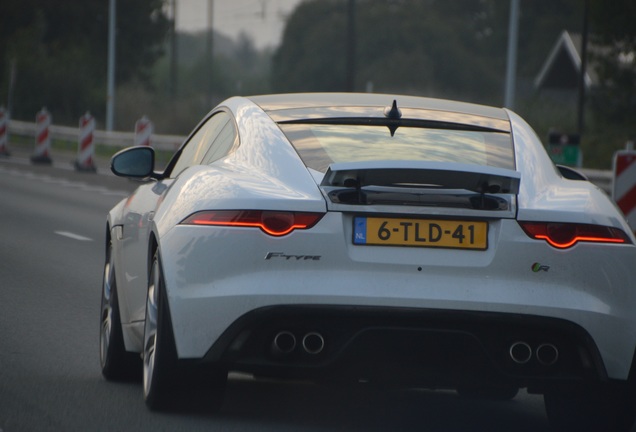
pixel 550 192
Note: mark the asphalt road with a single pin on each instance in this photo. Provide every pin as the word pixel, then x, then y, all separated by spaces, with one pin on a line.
pixel 52 222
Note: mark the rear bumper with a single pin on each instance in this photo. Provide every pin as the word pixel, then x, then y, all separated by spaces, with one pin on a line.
pixel 416 346
pixel 218 279
pixel 202 315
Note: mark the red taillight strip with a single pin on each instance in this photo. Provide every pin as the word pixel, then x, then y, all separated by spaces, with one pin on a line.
pixel 271 222
pixel 565 235
pixel 575 240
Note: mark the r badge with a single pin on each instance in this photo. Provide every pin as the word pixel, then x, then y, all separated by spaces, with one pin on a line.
pixel 536 267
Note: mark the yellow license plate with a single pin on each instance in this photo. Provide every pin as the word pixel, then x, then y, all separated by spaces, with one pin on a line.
pixel 458 234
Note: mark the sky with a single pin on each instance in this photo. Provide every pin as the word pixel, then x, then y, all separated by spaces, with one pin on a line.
pixel 262 20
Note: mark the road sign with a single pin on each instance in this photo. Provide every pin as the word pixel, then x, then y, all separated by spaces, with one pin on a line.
pixel 564 149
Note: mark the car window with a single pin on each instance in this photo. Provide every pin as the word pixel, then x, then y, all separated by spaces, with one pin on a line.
pixel 223 144
pixel 320 145
pixel 199 144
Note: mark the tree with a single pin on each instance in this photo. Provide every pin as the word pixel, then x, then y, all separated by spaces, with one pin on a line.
pixel 311 56
pixel 59 50
pixel 431 47
pixel 425 47
pixel 614 30
pixel 438 48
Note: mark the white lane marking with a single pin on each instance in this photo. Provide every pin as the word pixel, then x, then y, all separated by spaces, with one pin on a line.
pixel 73 236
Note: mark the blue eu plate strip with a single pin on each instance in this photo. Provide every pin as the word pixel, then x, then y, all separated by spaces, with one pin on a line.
pixel 360 230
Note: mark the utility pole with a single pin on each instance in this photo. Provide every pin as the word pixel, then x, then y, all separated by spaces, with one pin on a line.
pixel 209 52
pixel 511 63
pixel 110 92
pixel 173 51
pixel 583 71
pixel 350 79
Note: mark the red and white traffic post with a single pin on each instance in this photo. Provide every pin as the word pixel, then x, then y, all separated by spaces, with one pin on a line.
pixel 143 131
pixel 4 132
pixel 42 153
pixel 86 146
pixel 624 190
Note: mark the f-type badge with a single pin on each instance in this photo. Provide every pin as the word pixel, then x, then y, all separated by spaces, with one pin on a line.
pixel 537 267
pixel 282 255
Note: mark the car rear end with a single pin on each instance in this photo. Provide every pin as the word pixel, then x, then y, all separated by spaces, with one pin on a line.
pixel 420 269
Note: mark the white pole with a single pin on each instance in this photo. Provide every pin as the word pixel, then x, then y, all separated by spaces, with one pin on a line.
pixel 110 98
pixel 511 64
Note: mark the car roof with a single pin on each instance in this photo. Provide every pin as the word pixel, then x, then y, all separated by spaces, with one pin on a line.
pixel 298 106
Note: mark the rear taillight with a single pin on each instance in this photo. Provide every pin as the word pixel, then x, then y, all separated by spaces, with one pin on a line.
pixel 274 223
pixel 565 235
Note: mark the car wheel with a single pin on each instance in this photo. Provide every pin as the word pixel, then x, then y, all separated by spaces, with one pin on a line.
pixel 166 385
pixel 607 408
pixel 117 364
pixel 159 354
pixel 500 393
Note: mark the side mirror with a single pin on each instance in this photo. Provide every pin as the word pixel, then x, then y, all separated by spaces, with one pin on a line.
pixel 135 162
pixel 571 173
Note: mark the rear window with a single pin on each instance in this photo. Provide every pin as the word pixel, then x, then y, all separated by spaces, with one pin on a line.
pixel 320 145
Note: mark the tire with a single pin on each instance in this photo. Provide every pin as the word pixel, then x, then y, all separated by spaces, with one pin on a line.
pixel 166 383
pixel 116 363
pixel 159 353
pixel 499 393
pixel 609 408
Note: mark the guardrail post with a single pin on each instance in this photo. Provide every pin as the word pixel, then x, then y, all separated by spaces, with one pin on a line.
pixel 86 146
pixel 4 132
pixel 143 131
pixel 42 138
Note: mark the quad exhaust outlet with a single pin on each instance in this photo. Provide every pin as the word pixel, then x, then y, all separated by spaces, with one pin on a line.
pixel 520 352
pixel 546 354
pixel 313 343
pixel 285 342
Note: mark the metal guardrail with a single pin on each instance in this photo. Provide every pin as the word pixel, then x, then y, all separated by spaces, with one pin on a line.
pixel 112 139
pixel 601 178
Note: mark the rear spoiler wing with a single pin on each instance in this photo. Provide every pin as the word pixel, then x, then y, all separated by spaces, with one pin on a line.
pixel 423 174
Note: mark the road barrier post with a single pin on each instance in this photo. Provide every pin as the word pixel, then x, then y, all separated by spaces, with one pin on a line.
pixel 143 131
pixel 86 146
pixel 4 132
pixel 624 188
pixel 42 138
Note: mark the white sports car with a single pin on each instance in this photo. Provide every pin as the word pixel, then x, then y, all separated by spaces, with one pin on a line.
pixel 390 239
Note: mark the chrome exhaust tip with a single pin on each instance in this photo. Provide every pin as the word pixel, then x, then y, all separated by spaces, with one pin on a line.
pixel 313 343
pixel 547 354
pixel 284 342
pixel 520 352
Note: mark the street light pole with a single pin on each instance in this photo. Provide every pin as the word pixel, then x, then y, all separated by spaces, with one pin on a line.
pixel 110 96
pixel 351 47
pixel 209 53
pixel 583 71
pixel 173 51
pixel 511 65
